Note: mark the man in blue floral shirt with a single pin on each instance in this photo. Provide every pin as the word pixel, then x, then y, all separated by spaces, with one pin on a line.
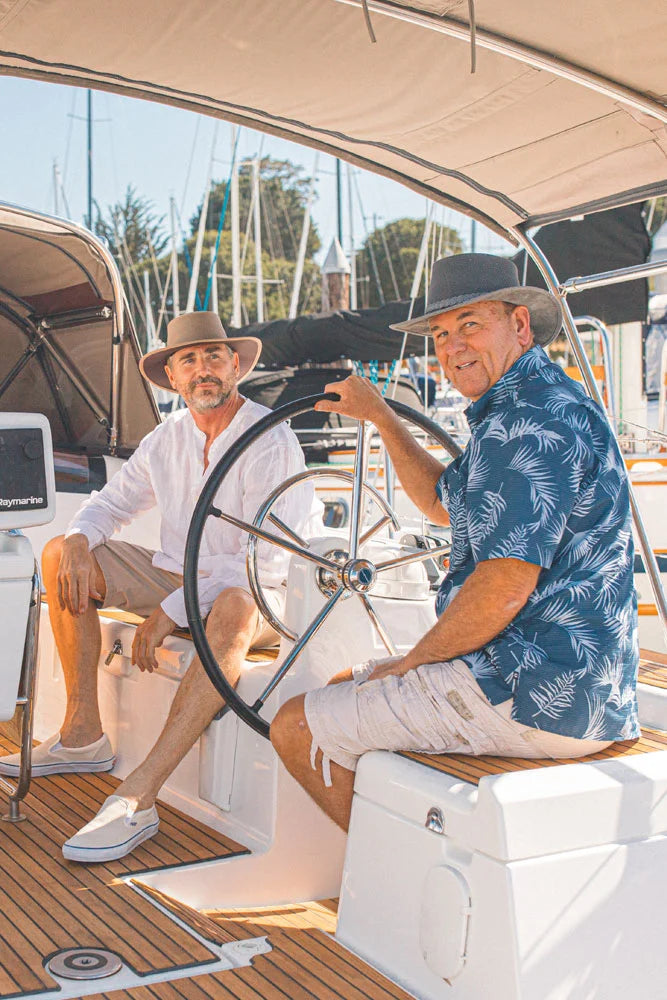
pixel 535 650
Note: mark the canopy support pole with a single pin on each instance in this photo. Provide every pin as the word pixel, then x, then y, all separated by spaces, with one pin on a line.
pixel 551 280
pixel 78 381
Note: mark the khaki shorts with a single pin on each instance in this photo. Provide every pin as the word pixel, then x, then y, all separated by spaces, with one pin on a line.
pixel 437 708
pixel 134 584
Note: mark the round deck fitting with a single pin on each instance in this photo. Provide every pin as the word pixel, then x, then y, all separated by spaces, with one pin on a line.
pixel 84 963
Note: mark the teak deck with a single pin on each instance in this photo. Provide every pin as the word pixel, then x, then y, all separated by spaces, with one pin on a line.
pixel 653 669
pixel 47 903
pixel 305 963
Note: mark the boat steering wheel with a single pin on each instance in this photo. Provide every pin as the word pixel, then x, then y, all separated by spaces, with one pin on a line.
pixel 340 572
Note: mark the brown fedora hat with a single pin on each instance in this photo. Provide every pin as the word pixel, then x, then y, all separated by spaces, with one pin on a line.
pixel 193 328
pixel 483 277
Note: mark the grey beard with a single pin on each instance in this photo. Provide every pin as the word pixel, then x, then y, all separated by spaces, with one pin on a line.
pixel 206 403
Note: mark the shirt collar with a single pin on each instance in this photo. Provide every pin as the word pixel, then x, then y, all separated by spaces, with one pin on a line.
pixel 238 423
pixel 507 387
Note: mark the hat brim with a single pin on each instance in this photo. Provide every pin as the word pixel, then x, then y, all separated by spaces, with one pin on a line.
pixel 152 365
pixel 546 316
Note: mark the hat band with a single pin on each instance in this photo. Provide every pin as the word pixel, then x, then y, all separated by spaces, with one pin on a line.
pixel 455 300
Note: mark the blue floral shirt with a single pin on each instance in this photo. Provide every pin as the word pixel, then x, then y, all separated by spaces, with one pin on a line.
pixel 542 480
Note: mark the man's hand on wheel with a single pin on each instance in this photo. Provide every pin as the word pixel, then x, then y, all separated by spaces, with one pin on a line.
pixel 76 576
pixel 148 636
pixel 358 399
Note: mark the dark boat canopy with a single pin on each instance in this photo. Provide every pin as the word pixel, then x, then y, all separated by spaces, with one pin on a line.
pixel 362 335
pixel 605 241
pixel 67 349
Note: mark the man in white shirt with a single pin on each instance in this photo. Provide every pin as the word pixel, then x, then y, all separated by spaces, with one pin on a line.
pixel 83 570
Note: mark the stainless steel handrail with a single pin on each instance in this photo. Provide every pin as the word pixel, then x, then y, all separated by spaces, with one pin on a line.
pixel 551 280
pixel 26 702
pixel 612 277
pixel 598 325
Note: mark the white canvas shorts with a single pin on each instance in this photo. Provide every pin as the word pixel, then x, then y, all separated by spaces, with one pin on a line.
pixel 435 708
pixel 134 584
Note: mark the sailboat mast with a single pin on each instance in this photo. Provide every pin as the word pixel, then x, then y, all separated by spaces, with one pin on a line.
pixel 214 281
pixel 174 259
pixel 236 240
pixel 339 204
pixel 90 159
pixel 352 257
pixel 56 200
pixel 305 229
pixel 192 291
pixel 258 242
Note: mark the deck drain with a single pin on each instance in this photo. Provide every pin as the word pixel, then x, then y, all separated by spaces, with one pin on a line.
pixel 84 963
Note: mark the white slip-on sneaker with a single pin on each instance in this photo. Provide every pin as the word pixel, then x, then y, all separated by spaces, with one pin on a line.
pixel 51 757
pixel 114 832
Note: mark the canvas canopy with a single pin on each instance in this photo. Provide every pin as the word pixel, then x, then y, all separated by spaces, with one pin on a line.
pixel 361 335
pixel 565 112
pixel 66 348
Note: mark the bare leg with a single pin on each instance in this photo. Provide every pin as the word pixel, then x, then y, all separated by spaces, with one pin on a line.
pixel 230 629
pixel 78 640
pixel 292 740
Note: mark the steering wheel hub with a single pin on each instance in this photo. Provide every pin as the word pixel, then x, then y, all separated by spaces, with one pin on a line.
pixel 328 582
pixel 359 575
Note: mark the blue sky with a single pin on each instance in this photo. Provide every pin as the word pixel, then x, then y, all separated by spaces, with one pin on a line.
pixel 151 147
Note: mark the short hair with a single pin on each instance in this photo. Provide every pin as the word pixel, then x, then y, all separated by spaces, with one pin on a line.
pixel 508 307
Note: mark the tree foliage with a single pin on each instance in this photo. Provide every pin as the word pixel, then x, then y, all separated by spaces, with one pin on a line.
pixel 657 214
pixel 132 229
pixel 283 196
pixel 387 261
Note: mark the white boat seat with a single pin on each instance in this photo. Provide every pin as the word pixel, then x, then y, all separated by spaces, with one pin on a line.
pixel 498 865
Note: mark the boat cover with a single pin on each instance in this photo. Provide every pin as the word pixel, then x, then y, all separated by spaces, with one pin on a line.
pixel 362 335
pixel 604 241
pixel 58 318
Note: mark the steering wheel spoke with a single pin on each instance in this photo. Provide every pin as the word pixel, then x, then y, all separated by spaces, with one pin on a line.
pixel 413 557
pixel 380 628
pixel 286 530
pixel 294 652
pixel 373 530
pixel 282 543
pixel 357 506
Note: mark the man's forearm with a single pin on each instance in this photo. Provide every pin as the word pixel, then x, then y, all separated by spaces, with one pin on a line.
pixel 488 601
pixel 417 471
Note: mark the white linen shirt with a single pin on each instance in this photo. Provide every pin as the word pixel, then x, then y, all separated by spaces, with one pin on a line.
pixel 167 471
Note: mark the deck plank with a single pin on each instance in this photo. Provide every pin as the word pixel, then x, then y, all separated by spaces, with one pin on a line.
pixel 48 904
pixel 653 668
pixel 305 963
pixel 472 769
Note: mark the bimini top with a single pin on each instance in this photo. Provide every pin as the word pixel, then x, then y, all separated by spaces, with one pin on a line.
pixel 67 348
pixel 565 112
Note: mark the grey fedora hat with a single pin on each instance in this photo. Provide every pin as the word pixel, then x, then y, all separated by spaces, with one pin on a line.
pixel 193 328
pixel 483 277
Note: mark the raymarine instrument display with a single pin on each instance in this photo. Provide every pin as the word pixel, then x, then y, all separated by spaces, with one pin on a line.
pixel 27 482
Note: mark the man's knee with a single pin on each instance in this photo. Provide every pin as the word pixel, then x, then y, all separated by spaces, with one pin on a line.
pixel 289 727
pixel 233 615
pixel 51 554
